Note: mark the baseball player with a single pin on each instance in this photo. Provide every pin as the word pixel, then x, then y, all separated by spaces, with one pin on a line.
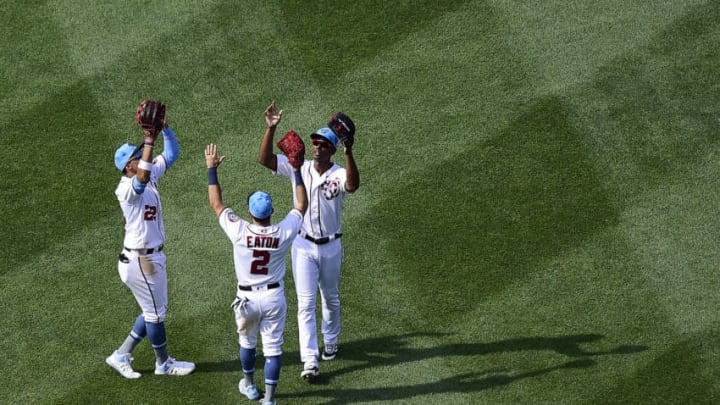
pixel 259 251
pixel 317 253
pixel 142 261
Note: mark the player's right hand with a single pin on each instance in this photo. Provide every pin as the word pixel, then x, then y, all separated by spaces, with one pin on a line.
pixel 211 157
pixel 272 115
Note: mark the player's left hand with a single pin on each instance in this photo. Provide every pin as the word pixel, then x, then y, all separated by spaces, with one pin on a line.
pixel 211 157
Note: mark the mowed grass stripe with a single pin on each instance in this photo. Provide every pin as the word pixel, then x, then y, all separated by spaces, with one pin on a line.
pixel 586 308
pixel 447 382
pixel 567 42
pixel 35 62
pixel 651 113
pixel 680 265
pixel 36 69
pixel 663 180
pixel 656 156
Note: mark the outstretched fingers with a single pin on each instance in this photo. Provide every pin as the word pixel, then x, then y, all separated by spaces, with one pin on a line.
pixel 272 115
pixel 211 157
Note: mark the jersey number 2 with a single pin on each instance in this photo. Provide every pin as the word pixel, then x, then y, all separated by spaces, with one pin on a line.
pixel 259 264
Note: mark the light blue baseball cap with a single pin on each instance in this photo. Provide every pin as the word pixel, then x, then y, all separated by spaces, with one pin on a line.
pixel 260 205
pixel 124 153
pixel 327 134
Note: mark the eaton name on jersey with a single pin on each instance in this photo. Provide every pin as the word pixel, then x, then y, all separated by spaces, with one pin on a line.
pixel 259 241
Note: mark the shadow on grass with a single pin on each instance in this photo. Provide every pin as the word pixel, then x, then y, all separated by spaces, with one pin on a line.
pixel 467 382
pixel 396 350
pixel 388 351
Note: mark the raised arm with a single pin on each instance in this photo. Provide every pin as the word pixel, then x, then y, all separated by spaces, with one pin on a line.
pixel 266 157
pixel 344 127
pixel 171 147
pixel 214 191
pixel 353 174
pixel 146 161
pixel 301 198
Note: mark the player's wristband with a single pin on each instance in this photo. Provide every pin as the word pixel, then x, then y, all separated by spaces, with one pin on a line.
pixel 147 166
pixel 149 142
pixel 212 176
pixel 298 177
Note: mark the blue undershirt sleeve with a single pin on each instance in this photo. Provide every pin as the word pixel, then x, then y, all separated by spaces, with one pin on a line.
pixel 171 148
pixel 137 186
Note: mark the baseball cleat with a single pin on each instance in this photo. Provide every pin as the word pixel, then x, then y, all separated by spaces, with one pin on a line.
pixel 121 364
pixel 310 372
pixel 330 352
pixel 250 391
pixel 174 367
pixel 266 402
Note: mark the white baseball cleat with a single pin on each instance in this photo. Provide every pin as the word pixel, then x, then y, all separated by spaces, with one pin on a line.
pixel 310 371
pixel 174 367
pixel 121 364
pixel 250 391
pixel 330 352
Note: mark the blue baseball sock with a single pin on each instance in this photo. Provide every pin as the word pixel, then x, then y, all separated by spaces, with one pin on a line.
pixel 272 376
pixel 139 328
pixel 136 336
pixel 247 361
pixel 156 335
pixel 272 370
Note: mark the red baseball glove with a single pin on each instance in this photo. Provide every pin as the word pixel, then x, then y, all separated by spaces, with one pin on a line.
pixel 293 147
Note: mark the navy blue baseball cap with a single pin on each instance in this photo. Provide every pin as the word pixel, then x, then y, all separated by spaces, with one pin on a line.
pixel 125 153
pixel 260 205
pixel 326 134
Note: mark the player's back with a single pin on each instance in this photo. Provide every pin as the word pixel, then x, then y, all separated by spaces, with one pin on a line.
pixel 260 251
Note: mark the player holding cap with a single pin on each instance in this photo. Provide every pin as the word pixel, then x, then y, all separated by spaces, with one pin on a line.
pixel 142 262
pixel 259 251
pixel 317 254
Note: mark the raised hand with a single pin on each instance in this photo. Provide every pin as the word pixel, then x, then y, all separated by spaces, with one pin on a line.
pixel 272 115
pixel 211 157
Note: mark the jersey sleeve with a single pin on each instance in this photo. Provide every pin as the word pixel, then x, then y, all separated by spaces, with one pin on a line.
pixel 231 224
pixel 160 166
pixel 125 190
pixel 342 177
pixel 283 166
pixel 291 223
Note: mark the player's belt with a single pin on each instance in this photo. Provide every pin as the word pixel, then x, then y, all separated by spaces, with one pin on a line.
pixel 260 287
pixel 146 251
pixel 320 241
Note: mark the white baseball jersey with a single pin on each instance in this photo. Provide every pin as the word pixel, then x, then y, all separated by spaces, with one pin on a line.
pixel 326 193
pixel 260 252
pixel 144 227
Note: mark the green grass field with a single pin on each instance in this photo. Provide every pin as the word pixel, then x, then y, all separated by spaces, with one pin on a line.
pixel 535 223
